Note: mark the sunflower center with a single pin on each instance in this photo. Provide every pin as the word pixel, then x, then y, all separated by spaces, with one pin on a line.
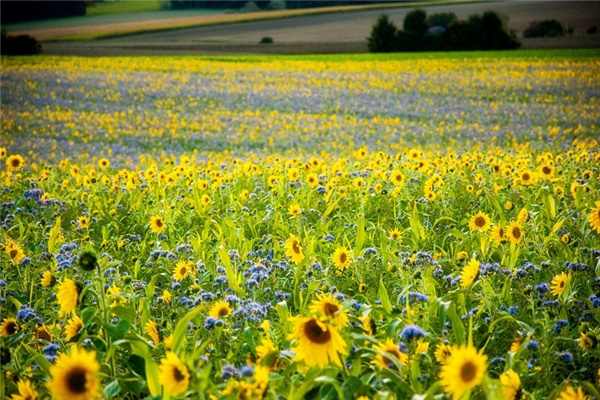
pixel 546 170
pixel 526 176
pixel 182 271
pixel 561 284
pixel 480 221
pixel 159 223
pixel 15 163
pixel 44 334
pixel 12 328
pixel 295 247
pixel 315 334
pixel 343 258
pixel 388 362
pixel 516 232
pixel 178 375
pixel 501 232
pixel 76 380
pixel 468 372
pixel 13 253
pixel 223 312
pixel 330 309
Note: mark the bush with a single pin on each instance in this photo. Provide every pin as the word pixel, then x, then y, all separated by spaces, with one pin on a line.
pixel 19 45
pixel 266 40
pixel 276 5
pixel 383 36
pixel 549 27
pixel 440 19
pixel 592 30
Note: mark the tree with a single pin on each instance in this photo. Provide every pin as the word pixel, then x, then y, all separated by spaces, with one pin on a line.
pixel 415 23
pixel 383 36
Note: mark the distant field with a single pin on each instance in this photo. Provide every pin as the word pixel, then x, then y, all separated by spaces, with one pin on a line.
pixel 122 7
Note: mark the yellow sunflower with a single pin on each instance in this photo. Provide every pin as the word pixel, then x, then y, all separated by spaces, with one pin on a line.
pixel 3 152
pixel 15 162
pixel 389 347
pixel 74 376
pixel 587 341
pixel 42 333
pixel 157 224
pixel 571 394
pixel 480 222
pixel 511 385
pixel 514 232
pixel 220 309
pixel 395 234
pixel 341 258
pixel 464 371
pixel 523 216
pixel 14 251
pixel 369 325
pixel 83 222
pixel 526 177
pixel 546 171
pixel 152 330
pixel 294 249
pixel 9 327
pixel 26 391
pixel 469 273
pixel 559 283
pixel 174 375
pixel 182 269
pixel 442 353
pixel 328 307
pixel 294 210
pixel 103 163
pixel 594 218
pixel 318 343
pixel 74 326
pixel 397 178
pixel 312 180
pixel 498 234
pixel 47 279
pixel 68 296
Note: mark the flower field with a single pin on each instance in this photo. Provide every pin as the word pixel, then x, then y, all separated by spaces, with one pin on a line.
pixel 368 227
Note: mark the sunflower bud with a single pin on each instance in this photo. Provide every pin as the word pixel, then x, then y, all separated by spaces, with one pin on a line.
pixel 88 260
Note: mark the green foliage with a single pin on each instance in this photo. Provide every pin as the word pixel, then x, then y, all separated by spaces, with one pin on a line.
pixel 546 28
pixel 383 36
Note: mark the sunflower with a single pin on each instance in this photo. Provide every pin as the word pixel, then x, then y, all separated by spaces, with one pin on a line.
pixel 546 171
pixel 594 218
pixel 166 296
pixel 341 258
pixel 312 180
pixel 526 177
pixel 220 309
pixel 318 343
pixel 442 353
pixel 3 152
pixel 68 296
pixel 430 195
pixel 157 224
pixel 523 216
pixel 480 222
pixel 47 279
pixel 330 308
pixel 265 348
pixel 368 324
pixel 571 394
pixel 182 269
pixel 84 222
pixel 114 292
pixel 74 376
pixel 514 232
pixel 152 330
pixel 42 333
pixel 294 249
pixel 73 328
pixel 508 206
pixel 15 162
pixel 497 234
pixel 397 178
pixel 362 287
pixel 464 370
pixel 174 375
pixel 469 273
pixel 205 200
pixel 587 341
pixel 294 210
pixel 395 234
pixel 511 385
pixel 9 327
pixel 559 283
pixel 15 252
pixel 103 163
pixel 26 391
pixel 389 347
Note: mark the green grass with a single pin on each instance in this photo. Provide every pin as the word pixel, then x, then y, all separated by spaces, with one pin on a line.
pixel 122 7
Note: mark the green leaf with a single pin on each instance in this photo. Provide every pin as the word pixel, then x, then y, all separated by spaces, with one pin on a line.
pixel 39 359
pixel 125 313
pixel 118 331
pixel 385 299
pixel 350 386
pixel 360 233
pixel 181 329
pixel 328 392
pixel 112 389
pixel 457 327
pixel 152 377
pixel 87 314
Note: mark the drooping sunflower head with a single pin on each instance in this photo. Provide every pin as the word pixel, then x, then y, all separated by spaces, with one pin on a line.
pixel 511 385
pixel 152 330
pixel 68 296
pixel 88 261
pixel 318 343
pixel 594 217
pixel 174 375
pixel 330 309
pixel 479 222
pixel 47 279
pixel 220 309
pixel 74 376
pixel 73 328
pixel 464 371
pixel 341 258
pixel 157 224
pixel 392 355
